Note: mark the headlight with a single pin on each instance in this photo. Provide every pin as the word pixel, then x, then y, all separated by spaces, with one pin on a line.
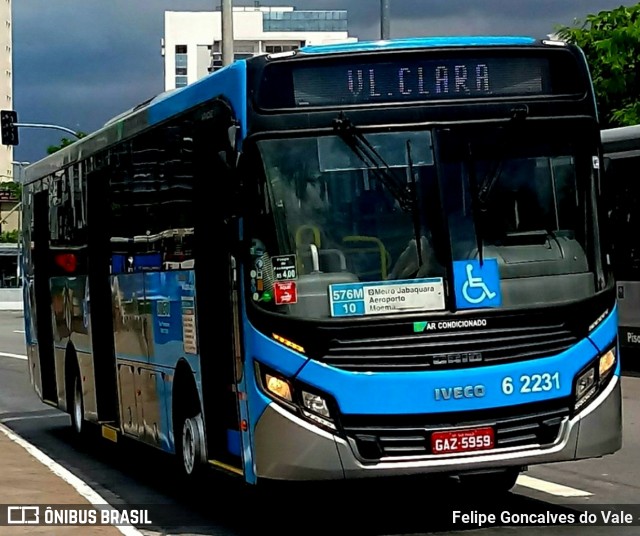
pixel 300 399
pixel 585 387
pixel 275 385
pixel 315 403
pixel 279 387
pixel 586 381
pixel 592 380
pixel 316 408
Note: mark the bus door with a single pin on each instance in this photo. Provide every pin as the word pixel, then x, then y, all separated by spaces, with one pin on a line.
pixel 217 314
pixel 43 305
pixel 101 319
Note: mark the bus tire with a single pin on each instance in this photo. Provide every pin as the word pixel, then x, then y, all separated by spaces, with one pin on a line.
pixel 190 445
pixel 498 482
pixel 76 405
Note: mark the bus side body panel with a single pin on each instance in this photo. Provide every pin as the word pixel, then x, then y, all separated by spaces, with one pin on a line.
pixel 72 339
pixel 131 348
pixel 154 329
pixel 170 298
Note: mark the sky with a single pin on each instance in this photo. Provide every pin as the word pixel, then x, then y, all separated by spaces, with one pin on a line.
pixel 78 63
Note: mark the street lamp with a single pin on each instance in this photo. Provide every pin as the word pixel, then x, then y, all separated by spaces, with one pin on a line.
pixel 18 207
pixel 385 19
pixel 227 31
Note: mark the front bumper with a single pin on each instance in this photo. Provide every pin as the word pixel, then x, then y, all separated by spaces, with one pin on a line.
pixel 289 448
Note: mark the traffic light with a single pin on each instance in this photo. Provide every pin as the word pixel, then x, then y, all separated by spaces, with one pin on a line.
pixel 8 123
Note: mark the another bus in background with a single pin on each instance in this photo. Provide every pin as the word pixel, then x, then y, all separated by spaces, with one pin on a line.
pixel 621 148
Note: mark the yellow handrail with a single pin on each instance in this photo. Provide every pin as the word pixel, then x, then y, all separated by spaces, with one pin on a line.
pixel 316 234
pixel 385 258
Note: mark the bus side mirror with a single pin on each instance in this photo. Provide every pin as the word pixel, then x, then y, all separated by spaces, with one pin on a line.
pixel 231 184
pixel 232 131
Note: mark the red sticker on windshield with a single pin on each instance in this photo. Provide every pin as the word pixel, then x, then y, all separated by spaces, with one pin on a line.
pixel 285 292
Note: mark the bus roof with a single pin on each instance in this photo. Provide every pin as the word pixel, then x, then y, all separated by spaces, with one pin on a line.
pixel 418 42
pixel 621 142
pixel 231 81
pixel 619 134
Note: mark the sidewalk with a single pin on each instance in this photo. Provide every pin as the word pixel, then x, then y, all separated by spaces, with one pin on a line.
pixel 11 299
pixel 24 480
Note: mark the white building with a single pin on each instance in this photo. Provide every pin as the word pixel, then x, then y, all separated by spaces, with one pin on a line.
pixel 192 43
pixel 9 209
pixel 6 84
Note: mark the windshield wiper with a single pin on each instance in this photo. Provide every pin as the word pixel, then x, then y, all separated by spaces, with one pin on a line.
pixel 367 153
pixel 406 195
pixel 481 192
pixel 414 202
pixel 518 114
pixel 476 205
pixel 490 180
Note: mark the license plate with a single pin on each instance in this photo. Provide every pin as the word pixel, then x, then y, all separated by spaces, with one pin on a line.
pixel 469 440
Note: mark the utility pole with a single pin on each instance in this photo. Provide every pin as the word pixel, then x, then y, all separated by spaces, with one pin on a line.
pixel 385 19
pixel 227 32
pixel 44 125
pixel 9 127
pixel 20 166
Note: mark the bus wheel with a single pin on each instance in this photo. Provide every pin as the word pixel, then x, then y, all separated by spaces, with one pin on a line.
pixel 498 482
pixel 192 445
pixel 77 406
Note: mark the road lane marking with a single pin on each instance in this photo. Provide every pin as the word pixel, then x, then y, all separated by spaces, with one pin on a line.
pixel 29 417
pixel 18 330
pixel 14 356
pixel 79 485
pixel 551 487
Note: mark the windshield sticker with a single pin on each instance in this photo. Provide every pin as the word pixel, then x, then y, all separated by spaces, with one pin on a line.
pixel 257 284
pixel 189 330
pixel 285 292
pixel 420 327
pixel 477 285
pixel 284 267
pixel 388 297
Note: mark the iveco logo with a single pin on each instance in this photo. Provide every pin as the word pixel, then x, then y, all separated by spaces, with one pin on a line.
pixel 458 393
pixel 457 359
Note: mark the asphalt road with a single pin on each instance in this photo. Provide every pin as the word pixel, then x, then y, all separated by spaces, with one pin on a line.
pixel 130 474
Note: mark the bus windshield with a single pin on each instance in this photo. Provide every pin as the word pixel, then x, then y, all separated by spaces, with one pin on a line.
pixel 332 217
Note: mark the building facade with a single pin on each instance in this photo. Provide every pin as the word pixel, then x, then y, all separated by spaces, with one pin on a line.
pixel 10 296
pixel 6 83
pixel 9 207
pixel 192 43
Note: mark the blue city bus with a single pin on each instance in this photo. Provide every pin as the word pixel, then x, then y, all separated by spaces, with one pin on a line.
pixel 372 259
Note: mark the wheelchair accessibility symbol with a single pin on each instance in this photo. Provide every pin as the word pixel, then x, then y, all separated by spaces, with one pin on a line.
pixel 477 285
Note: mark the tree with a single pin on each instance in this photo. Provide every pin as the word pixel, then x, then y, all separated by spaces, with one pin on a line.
pixel 64 142
pixel 10 237
pixel 611 43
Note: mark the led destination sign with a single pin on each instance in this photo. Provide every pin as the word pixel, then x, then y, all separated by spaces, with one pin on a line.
pixel 352 84
pixel 414 78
